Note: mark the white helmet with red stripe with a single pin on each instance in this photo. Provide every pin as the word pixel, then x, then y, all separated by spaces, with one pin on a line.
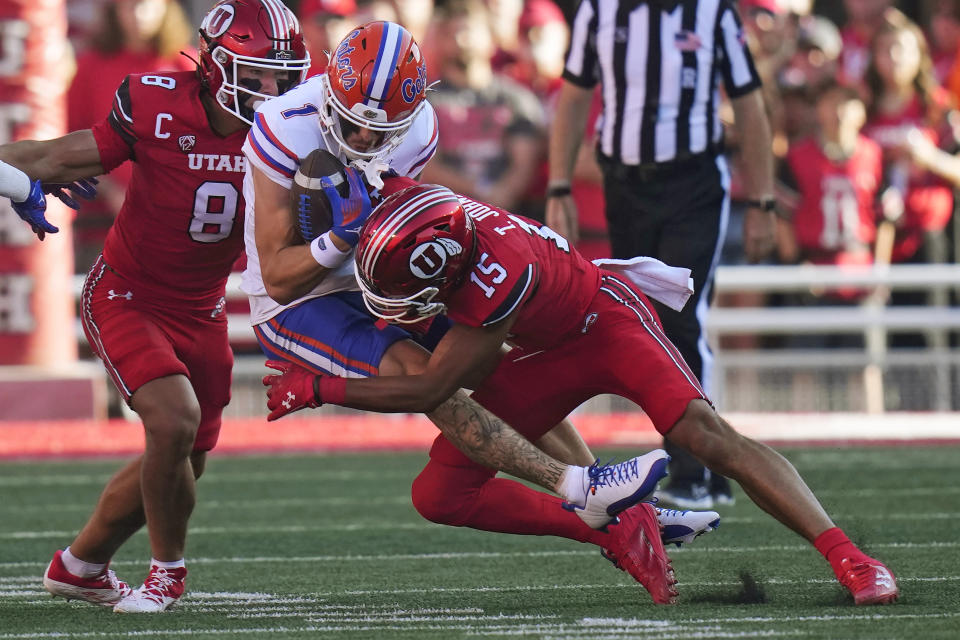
pixel 414 250
pixel 376 80
pixel 262 35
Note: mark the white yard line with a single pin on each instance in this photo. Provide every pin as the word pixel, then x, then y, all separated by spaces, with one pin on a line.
pixel 379 525
pixel 493 555
pixel 381 618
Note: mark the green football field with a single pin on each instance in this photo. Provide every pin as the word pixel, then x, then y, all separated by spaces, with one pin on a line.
pixel 329 546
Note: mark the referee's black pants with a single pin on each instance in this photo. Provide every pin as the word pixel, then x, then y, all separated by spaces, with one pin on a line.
pixel 676 212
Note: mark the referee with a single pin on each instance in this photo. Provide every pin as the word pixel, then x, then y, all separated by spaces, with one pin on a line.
pixel 660 65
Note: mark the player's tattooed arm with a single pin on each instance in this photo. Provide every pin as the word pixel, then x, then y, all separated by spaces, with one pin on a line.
pixel 489 441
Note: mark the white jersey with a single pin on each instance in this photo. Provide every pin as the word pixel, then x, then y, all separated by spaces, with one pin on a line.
pixel 286 129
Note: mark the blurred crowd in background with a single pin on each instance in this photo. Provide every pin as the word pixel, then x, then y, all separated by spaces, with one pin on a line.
pixel 861 96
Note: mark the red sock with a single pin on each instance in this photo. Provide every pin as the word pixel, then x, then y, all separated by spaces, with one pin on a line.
pixel 834 545
pixel 471 497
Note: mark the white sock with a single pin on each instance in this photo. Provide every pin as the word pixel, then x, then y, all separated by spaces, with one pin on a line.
pixel 574 484
pixel 176 564
pixel 78 567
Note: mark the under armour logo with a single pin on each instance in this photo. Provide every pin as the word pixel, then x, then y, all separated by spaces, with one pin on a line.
pixel 589 322
pixel 288 403
pixel 221 305
pixel 112 295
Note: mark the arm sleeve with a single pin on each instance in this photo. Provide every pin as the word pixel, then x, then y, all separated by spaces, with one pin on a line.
pixel 581 63
pixel 116 135
pixel 733 55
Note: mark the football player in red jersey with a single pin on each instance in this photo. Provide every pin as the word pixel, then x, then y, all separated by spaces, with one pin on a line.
pixel 577 331
pixel 152 304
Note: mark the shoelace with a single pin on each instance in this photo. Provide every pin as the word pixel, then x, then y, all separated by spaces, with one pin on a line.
pixel 669 513
pixel 154 585
pixel 602 475
pixel 112 578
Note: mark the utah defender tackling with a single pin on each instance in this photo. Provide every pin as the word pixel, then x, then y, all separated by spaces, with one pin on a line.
pixel 152 304
pixel 577 331
pixel 369 109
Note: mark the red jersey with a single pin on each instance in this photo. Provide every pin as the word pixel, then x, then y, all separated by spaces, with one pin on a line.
pixel 928 200
pixel 180 228
pixel 521 264
pixel 835 221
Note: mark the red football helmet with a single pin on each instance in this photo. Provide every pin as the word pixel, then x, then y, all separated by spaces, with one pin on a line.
pixel 245 38
pixel 376 80
pixel 414 249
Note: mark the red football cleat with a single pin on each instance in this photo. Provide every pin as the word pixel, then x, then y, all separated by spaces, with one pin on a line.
pixel 869 581
pixel 105 589
pixel 635 547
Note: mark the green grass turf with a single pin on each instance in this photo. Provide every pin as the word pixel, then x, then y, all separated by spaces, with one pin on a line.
pixel 329 546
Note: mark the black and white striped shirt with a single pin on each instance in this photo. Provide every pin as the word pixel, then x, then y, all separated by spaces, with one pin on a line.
pixel 660 64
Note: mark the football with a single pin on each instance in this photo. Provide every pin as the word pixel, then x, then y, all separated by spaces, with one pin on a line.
pixel 309 206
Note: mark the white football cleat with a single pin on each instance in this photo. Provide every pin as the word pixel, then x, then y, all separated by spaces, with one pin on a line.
pixel 612 488
pixel 683 526
pixel 161 589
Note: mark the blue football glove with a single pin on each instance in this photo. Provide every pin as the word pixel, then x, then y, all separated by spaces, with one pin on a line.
pixel 85 188
pixel 351 212
pixel 32 209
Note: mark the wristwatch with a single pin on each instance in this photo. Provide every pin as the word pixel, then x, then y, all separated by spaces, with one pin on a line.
pixel 767 204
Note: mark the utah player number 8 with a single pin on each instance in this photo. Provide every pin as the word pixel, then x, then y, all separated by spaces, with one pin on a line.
pixel 214 211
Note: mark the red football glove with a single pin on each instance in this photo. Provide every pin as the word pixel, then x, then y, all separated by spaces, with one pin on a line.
pixel 294 389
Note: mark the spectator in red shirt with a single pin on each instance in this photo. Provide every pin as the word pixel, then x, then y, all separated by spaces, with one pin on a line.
pixel 837 174
pixel 906 103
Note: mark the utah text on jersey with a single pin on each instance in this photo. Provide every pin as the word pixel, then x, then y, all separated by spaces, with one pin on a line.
pixel 215 162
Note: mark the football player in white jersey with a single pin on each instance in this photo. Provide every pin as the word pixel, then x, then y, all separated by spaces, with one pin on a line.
pixel 370 110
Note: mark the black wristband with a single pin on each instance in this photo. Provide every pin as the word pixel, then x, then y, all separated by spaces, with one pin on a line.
pixel 558 191
pixel 767 204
